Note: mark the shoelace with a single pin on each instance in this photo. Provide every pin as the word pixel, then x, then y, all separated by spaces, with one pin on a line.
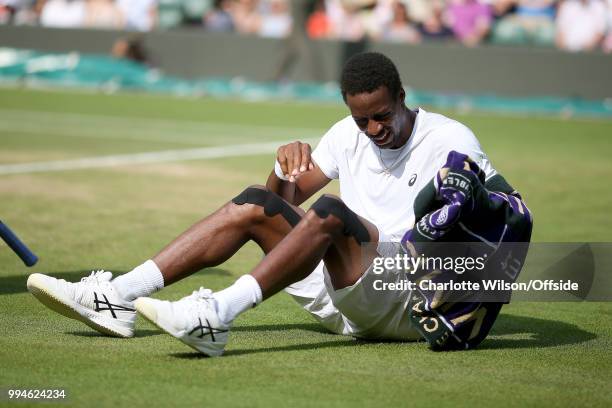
pixel 201 294
pixel 93 277
pixel 81 290
pixel 199 299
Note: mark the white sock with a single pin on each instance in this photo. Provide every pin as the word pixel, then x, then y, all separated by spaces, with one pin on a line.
pixel 143 280
pixel 244 294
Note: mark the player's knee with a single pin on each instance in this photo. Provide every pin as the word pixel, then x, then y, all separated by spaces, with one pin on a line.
pixel 318 224
pixel 254 187
pixel 343 218
pixel 258 198
pixel 246 203
pixel 320 210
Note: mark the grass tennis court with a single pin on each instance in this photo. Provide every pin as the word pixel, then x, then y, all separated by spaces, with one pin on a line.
pixel 540 354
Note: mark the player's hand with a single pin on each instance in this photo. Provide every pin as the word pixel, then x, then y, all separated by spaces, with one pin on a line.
pixel 295 159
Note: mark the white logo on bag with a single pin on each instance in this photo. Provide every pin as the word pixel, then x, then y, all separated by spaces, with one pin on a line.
pixel 443 216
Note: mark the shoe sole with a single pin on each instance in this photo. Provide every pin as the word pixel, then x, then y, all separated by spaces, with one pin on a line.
pixel 150 314
pixel 73 310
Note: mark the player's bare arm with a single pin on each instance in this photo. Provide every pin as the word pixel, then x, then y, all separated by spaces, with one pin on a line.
pixel 301 177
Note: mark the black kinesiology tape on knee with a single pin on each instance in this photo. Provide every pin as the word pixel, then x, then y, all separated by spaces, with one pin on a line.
pixel 352 225
pixel 271 203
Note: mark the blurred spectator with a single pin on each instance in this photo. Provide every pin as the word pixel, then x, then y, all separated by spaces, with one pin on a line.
pixel 169 14
pixel 193 10
pixel 434 25
pixel 103 14
pixel 18 12
pixel 345 20
pixel 420 11
pixel 532 22
pixel 318 24
pixel 219 19
pixel 502 8
pixel 63 13
pixel 130 48
pixel 581 24
pixel 377 16
pixel 140 15
pixel 400 29
pixel 245 14
pixel 7 13
pixel 607 44
pixel 470 20
pixel 275 19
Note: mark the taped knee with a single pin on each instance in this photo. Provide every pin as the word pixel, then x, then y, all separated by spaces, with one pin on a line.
pixel 352 226
pixel 271 203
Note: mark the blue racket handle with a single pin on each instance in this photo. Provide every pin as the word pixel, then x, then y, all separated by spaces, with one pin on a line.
pixel 16 245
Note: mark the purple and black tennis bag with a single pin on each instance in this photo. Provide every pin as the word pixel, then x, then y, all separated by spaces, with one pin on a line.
pixel 459 214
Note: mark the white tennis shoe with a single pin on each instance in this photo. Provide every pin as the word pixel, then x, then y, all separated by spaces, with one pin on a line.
pixel 93 301
pixel 193 320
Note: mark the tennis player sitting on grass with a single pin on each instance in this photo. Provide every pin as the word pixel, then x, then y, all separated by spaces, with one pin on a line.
pixel 383 154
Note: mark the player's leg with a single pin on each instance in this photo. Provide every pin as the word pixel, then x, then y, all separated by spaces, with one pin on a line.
pixel 255 214
pixel 329 231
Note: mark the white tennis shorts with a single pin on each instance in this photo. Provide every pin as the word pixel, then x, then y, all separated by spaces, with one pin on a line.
pixel 358 310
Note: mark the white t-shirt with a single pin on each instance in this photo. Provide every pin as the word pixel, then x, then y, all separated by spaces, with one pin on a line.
pixel 63 14
pixel 581 23
pixel 381 185
pixel 137 13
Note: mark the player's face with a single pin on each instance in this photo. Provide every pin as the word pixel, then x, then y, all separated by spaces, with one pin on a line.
pixel 379 116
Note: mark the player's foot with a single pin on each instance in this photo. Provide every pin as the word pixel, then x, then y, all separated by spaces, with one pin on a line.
pixel 193 320
pixel 94 301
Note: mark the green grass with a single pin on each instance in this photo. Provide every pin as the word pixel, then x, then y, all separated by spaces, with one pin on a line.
pixel 539 354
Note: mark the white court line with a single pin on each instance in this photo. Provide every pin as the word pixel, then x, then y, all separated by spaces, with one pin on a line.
pixel 145 158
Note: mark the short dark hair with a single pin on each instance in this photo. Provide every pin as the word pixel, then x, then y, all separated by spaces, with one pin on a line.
pixel 368 71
